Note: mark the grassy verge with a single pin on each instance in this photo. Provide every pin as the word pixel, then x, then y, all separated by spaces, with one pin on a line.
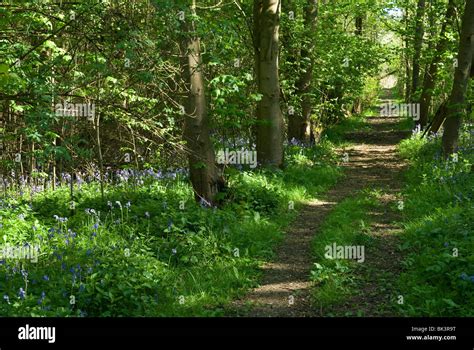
pixel 438 241
pixel 149 249
pixel 347 225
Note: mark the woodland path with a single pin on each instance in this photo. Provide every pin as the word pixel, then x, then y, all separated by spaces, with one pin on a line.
pixel 285 287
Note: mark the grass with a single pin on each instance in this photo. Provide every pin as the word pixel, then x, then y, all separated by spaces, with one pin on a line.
pixel 148 249
pixel 438 241
pixel 336 133
pixel 406 123
pixel 347 225
pixel 437 244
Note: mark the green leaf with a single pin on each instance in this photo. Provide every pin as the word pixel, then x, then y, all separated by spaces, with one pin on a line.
pixel 236 272
pixel 450 302
pixel 3 68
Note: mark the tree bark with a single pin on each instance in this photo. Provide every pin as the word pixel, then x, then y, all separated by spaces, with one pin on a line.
pixel 472 67
pixel 418 43
pixel 203 172
pixel 299 126
pixel 358 25
pixel 266 16
pixel 359 21
pixel 406 55
pixel 430 77
pixel 457 100
pixel 438 118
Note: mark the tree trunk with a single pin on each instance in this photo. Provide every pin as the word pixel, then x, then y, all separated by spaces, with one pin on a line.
pixel 203 172
pixel 358 25
pixel 457 100
pixel 419 31
pixel 407 56
pixel 430 77
pixel 438 118
pixel 299 126
pixel 472 67
pixel 359 21
pixel 293 52
pixel 266 16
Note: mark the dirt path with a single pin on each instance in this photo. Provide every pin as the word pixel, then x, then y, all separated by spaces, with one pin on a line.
pixel 285 287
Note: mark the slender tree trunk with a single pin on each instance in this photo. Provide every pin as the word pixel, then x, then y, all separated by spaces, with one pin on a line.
pixel 293 53
pixel 359 21
pixel 299 126
pixel 407 56
pixel 438 118
pixel 201 157
pixel 457 100
pixel 418 43
pixel 32 163
pixel 53 181
pixel 304 86
pixel 472 67
pixel 358 25
pixel 430 77
pixel 266 16
pixel 99 152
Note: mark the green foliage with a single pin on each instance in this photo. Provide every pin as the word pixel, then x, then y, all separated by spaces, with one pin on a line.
pixel 439 266
pixel 345 64
pixel 346 225
pixel 336 132
pixel 150 250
